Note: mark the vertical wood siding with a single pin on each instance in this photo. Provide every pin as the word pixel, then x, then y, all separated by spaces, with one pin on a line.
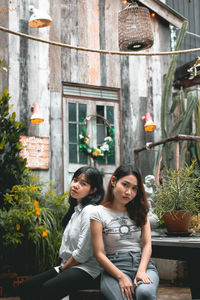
pixel 102 42
pixel 93 42
pixel 40 69
pixel 4 41
pixel 14 61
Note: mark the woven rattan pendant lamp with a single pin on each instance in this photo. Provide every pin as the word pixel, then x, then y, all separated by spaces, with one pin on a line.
pixel 135 28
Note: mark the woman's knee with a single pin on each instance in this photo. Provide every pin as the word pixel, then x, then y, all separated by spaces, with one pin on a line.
pixel 146 292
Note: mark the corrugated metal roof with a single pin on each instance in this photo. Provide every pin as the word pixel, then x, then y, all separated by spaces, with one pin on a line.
pixel 189 10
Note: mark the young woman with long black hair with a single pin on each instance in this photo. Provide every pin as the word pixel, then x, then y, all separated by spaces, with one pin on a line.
pixel 121 239
pixel 79 269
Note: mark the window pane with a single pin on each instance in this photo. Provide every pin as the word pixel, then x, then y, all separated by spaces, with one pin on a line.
pixel 100 134
pixel 72 153
pixel 82 157
pixel 73 133
pixel 100 111
pixel 111 158
pixel 101 160
pixel 81 112
pixel 72 112
pixel 110 114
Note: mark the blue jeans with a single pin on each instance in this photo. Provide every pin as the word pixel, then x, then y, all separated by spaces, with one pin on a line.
pixel 128 263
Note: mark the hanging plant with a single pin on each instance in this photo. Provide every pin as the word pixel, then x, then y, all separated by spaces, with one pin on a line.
pixel 102 150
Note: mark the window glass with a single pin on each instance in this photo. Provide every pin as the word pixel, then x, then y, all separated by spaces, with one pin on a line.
pixel 110 114
pixel 81 111
pixel 72 133
pixel 100 111
pixel 100 134
pixel 77 112
pixel 83 159
pixel 72 112
pixel 73 153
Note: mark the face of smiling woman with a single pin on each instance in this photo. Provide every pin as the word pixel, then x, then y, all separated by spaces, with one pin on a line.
pixel 80 188
pixel 125 189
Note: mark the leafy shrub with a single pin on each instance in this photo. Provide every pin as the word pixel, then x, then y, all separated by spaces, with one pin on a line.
pixel 12 166
pixel 31 230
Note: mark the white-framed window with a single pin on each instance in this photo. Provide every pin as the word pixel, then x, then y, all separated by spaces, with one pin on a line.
pixel 80 101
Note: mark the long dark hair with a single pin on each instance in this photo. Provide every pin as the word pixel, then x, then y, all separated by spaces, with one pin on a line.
pixel 138 207
pixel 94 178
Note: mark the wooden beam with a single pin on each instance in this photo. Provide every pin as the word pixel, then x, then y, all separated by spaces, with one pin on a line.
pixel 164 11
pixel 179 137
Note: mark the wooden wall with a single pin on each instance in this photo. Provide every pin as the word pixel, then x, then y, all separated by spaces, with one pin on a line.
pixel 37 71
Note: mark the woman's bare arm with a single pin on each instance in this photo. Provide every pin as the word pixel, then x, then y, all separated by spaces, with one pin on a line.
pixel 146 254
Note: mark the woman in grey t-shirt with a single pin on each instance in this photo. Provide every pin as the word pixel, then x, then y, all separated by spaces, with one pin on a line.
pixel 121 239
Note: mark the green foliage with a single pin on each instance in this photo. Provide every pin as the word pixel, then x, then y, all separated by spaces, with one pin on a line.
pixel 31 230
pixel 106 148
pixel 180 190
pixel 12 166
pixel 166 119
pixel 182 111
pixel 178 118
pixel 168 82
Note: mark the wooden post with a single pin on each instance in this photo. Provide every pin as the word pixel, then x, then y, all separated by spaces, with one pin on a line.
pixel 177 155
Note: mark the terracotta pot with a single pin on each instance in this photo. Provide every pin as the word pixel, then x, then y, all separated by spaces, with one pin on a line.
pixel 177 221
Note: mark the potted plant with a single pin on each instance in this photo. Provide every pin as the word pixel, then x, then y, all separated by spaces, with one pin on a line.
pixel 177 198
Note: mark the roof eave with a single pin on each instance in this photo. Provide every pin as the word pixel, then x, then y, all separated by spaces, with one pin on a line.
pixel 164 11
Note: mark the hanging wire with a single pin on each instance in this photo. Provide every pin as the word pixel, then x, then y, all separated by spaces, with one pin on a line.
pixel 31 37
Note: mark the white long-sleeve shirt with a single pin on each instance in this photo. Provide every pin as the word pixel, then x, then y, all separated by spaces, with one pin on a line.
pixel 76 241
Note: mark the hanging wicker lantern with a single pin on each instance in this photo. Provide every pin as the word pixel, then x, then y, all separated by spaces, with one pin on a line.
pixel 135 29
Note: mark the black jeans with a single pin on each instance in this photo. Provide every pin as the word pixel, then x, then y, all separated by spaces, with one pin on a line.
pixel 50 285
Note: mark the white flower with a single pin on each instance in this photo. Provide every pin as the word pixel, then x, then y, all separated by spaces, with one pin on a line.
pixel 89 150
pixel 108 139
pixel 104 147
pixel 81 136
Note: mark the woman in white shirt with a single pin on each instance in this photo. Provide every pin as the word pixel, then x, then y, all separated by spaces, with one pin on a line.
pixel 121 239
pixel 79 269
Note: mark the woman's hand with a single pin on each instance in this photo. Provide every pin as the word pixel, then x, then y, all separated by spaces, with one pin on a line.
pixel 142 276
pixel 126 287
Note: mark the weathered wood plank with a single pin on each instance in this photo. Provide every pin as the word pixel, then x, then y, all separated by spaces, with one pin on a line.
pixel 111 35
pixel 93 42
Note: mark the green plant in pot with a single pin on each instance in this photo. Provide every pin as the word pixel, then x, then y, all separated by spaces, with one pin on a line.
pixel 177 198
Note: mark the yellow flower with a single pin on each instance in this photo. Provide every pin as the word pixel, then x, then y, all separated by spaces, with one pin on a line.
pixel 37 213
pixel 87 140
pixel 94 153
pixel 44 234
pixel 18 227
pixel 97 152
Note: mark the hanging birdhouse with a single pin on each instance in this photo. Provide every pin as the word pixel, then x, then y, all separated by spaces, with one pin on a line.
pixel 135 29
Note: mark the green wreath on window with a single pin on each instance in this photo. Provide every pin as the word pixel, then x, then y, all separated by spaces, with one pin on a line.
pixel 102 150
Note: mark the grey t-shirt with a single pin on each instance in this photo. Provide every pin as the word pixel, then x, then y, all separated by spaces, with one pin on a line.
pixel 120 234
